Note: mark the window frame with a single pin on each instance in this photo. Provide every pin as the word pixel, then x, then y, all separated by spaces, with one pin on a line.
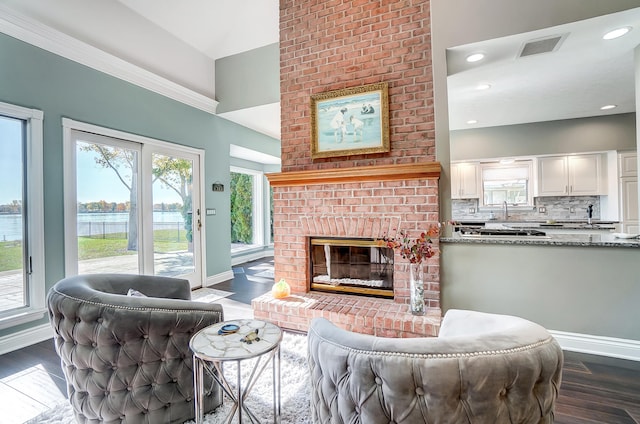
pixel 258 221
pixel 33 204
pixel 526 163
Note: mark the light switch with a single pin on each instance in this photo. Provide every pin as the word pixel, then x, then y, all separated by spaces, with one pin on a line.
pixel 211 211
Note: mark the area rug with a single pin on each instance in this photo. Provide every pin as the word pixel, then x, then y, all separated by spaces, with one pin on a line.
pixel 294 393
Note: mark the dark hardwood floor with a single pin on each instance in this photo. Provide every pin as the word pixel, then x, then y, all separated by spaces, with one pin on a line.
pixel 594 389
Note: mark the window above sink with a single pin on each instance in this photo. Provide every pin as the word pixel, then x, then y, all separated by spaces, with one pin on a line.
pixel 506 182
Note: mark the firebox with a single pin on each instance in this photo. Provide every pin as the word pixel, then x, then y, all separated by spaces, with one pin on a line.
pixel 351 266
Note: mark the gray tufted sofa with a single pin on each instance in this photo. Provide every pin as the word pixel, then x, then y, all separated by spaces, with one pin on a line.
pixel 481 369
pixel 127 359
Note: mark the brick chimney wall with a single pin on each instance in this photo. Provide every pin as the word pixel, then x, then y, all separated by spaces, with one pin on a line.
pixel 337 44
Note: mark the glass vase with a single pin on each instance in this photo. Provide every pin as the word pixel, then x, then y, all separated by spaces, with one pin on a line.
pixel 416 286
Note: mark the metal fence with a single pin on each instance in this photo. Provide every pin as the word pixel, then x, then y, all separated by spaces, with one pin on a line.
pixel 119 230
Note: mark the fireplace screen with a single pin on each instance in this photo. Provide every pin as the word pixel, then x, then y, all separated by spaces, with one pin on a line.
pixel 353 266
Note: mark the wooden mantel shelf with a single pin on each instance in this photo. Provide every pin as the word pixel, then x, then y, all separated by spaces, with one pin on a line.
pixel 410 171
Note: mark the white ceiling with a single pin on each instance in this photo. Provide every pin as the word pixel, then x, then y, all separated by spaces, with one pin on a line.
pixel 583 74
pixel 217 28
pixel 180 40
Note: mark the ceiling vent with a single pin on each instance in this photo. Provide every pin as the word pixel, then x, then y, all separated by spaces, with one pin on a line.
pixel 544 45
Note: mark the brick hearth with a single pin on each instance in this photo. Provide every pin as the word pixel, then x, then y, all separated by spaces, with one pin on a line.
pixel 380 317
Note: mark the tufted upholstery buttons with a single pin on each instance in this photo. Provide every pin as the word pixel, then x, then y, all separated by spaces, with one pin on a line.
pixel 117 366
pixel 489 368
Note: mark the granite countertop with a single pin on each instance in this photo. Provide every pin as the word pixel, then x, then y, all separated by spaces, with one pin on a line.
pixel 581 240
pixel 559 224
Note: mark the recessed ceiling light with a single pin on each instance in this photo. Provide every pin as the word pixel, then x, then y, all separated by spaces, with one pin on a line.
pixel 619 32
pixel 475 57
pixel 472 121
pixel 483 86
pixel 607 107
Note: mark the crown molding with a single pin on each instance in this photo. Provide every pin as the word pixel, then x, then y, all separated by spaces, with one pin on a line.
pixel 35 33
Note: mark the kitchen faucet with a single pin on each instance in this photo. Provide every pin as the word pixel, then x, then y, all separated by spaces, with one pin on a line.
pixel 589 214
pixel 506 210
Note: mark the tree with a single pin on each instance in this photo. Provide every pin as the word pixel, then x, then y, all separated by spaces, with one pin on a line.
pixel 123 162
pixel 241 208
pixel 175 174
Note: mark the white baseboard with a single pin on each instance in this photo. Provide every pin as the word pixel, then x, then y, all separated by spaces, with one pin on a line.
pixel 598 345
pixel 218 278
pixel 241 258
pixel 25 338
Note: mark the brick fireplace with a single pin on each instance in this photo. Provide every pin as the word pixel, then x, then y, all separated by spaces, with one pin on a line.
pixel 359 203
pixel 332 45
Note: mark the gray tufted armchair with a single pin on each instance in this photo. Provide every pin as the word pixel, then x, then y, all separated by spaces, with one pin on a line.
pixel 127 359
pixel 481 369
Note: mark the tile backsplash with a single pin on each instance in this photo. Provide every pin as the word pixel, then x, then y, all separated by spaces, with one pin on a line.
pixel 561 208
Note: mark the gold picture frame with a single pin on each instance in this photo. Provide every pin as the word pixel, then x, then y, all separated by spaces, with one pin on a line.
pixel 350 121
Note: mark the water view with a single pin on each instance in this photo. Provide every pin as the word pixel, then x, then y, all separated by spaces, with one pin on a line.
pixel 90 223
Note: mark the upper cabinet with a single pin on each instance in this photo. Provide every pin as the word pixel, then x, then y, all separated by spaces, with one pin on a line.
pixel 575 175
pixel 628 163
pixel 465 180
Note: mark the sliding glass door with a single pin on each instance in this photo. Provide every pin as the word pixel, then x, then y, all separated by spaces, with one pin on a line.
pixel 176 223
pixel 132 207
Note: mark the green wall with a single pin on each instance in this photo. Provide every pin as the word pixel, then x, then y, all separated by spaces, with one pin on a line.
pixel 584 290
pixel 34 78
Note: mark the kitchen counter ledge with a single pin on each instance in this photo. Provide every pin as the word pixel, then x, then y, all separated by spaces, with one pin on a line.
pixel 581 240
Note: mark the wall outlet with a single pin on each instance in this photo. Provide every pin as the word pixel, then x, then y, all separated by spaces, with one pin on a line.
pixel 542 209
pixel 472 210
pixel 572 210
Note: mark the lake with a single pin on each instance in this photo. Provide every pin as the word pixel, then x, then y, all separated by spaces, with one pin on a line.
pixel 11 225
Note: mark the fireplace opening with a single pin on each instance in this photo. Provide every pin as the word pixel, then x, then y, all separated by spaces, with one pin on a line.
pixel 351 266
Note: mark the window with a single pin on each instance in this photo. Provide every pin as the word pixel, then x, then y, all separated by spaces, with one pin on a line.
pixel 22 288
pixel 507 183
pixel 247 209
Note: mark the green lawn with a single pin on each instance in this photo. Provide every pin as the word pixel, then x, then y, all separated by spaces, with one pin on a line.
pixel 92 248
pixel 10 255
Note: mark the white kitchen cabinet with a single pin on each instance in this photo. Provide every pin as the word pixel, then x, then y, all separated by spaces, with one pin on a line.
pixel 628 163
pixel 575 175
pixel 465 180
pixel 629 217
pixel 628 171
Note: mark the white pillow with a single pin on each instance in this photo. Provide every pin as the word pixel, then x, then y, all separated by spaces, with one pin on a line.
pixel 135 293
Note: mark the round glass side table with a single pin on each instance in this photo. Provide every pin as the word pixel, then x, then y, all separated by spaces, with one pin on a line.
pixel 236 341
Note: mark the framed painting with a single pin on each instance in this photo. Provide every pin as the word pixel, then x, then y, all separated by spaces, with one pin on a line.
pixel 351 121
